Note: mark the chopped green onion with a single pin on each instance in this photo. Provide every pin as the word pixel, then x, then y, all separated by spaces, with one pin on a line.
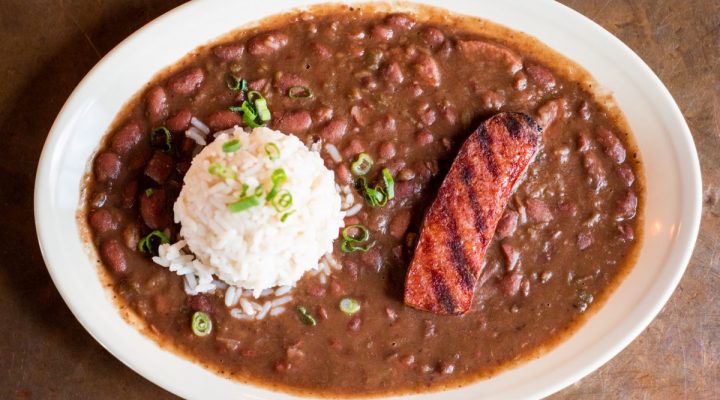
pixel 245 188
pixel 254 109
pixel 362 165
pixel 283 201
pixel 219 170
pixel 231 146
pixel 349 247
pixel 305 316
pixel 149 192
pixel 235 108
pixel 201 324
pixel 285 216
pixel 349 306
pixel 389 184
pixel 300 92
pixel 249 115
pixel 243 204
pixel 161 138
pixel 262 110
pixel 356 233
pixel 278 177
pixel 272 150
pixel 236 84
pixel 376 196
pixel 151 242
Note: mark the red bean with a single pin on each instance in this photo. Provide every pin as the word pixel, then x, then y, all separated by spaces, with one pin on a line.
pixel 342 172
pixel 541 76
pixel 156 104
pixel 399 224
pixel 352 270
pixel 481 50
pixel 595 171
pixel 316 291
pixel 284 81
pixel 355 323
pixel 538 210
pixel 626 174
pixel 381 33
pixel 507 224
pixel 159 167
pixel 223 119
pixel 611 144
pixel 321 313
pixel 154 209
pixel 320 51
pixel 427 116
pixel 113 255
pixel 373 259
pixel 102 221
pixel 492 100
pixel 322 114
pixel 131 235
pixel 386 150
pixel 353 148
pixel 229 51
pixel 185 82
pixel 129 194
pixel 107 166
pixel 407 189
pixel 510 283
pixel 627 205
pixel 334 130
pixel 400 20
pixel 584 110
pixel 258 84
pixel 568 208
pixel 294 122
pixel 180 121
pixel 200 302
pixel 126 138
pixel 360 115
pixel 550 111
pixel 392 73
pixel 427 69
pixel 386 123
pixel 584 143
pixel 267 43
pixel 627 233
pixel 512 256
pixel 424 137
pixel 433 37
pixel 584 240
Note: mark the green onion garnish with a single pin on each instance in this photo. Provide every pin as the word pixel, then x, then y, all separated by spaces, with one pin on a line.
pixel 376 196
pixel 151 242
pixel 305 316
pixel 362 165
pixel 285 216
pixel 300 92
pixel 219 170
pixel 201 324
pixel 389 183
pixel 244 203
pixel 349 306
pixel 278 177
pixel 272 150
pixel 161 138
pixel 260 106
pixel 236 84
pixel 283 201
pixel 149 192
pixel 349 247
pixel 235 108
pixel 231 146
pixel 356 233
pixel 254 109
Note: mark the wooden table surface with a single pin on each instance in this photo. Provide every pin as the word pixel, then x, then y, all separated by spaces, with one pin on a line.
pixel 46 48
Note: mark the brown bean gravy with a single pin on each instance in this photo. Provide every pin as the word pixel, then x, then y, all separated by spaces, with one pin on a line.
pixel 407 89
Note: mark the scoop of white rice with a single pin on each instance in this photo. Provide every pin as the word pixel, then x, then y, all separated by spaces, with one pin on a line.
pixel 253 248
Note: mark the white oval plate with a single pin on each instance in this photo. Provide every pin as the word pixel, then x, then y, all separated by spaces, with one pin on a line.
pixel 671 223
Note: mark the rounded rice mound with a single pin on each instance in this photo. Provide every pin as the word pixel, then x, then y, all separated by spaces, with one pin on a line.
pixel 253 248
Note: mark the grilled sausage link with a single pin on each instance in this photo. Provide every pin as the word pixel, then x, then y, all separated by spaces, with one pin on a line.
pixel 461 221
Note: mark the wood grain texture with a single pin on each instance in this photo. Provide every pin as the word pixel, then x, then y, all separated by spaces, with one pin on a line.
pixel 48 46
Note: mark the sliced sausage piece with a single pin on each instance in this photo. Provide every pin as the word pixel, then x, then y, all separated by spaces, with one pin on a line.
pixel 154 210
pixel 445 269
pixel 113 254
pixel 180 121
pixel 159 167
pixel 156 104
pixel 107 166
pixel 185 82
pixel 126 138
pixel 479 49
pixel 267 43
pixel 294 122
pixel 229 51
pixel 223 119
pixel 610 144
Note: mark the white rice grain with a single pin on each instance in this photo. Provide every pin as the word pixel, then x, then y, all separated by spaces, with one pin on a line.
pixel 353 210
pixel 199 125
pixel 333 152
pixel 277 311
pixel 281 301
pixel 247 307
pixel 264 310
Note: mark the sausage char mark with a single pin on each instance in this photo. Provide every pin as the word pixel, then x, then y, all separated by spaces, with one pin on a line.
pixel 460 222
